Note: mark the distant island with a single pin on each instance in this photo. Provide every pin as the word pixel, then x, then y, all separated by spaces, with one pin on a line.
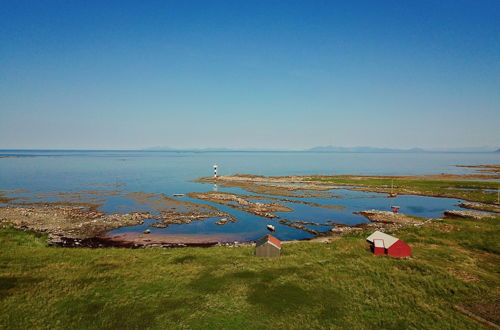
pixel 362 149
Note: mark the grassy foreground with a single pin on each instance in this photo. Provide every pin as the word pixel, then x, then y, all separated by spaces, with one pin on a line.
pixel 313 285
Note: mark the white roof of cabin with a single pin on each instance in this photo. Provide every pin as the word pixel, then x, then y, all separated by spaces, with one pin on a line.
pixel 388 239
pixel 378 243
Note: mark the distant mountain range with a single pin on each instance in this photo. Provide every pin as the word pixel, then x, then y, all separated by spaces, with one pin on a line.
pixel 412 150
pixel 209 149
pixel 362 149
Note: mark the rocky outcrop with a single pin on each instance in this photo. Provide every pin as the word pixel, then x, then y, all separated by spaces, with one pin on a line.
pixel 388 217
pixel 221 222
pixel 68 222
pixel 243 203
pixel 480 206
pixel 300 225
pixel 173 217
pixel 468 214
pixel 341 229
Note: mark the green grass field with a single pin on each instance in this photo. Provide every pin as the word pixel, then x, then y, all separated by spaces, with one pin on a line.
pixel 313 285
pixel 460 189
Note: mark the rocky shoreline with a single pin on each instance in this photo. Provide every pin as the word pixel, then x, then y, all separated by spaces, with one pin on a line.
pixel 243 203
pixel 77 227
pixel 467 214
pixel 319 185
pixel 73 219
pixel 68 223
pixel 388 217
pixel 481 207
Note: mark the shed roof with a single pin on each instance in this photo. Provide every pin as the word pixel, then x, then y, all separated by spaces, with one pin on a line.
pixel 378 242
pixel 388 239
pixel 269 239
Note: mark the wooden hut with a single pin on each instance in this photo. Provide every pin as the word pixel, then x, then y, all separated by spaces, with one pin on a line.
pixel 268 246
pixel 392 246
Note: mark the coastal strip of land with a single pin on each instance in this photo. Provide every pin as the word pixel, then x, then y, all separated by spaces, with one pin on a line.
pixel 74 219
pixel 467 187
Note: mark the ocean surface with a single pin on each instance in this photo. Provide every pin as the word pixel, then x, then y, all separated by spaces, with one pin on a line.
pixel 40 172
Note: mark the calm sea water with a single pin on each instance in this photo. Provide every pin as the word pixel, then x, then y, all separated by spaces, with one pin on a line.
pixel 174 172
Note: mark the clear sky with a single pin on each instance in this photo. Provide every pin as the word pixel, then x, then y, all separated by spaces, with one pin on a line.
pixel 249 74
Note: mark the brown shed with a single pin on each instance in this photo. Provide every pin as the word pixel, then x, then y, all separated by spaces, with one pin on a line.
pixel 268 246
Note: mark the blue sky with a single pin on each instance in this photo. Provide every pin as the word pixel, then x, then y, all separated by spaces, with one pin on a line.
pixel 249 74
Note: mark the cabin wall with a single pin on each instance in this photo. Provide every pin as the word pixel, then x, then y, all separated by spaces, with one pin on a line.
pixel 399 249
pixel 378 251
pixel 267 251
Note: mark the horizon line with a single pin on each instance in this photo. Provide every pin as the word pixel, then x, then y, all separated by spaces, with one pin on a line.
pixel 381 150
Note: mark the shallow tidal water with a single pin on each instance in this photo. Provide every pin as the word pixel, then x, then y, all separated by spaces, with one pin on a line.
pixel 38 172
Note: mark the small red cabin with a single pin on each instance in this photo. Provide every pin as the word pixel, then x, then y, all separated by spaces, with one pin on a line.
pixel 382 243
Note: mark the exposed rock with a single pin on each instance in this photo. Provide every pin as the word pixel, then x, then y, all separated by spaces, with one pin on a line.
pixel 309 223
pixel 289 186
pixel 484 168
pixel 173 217
pixel 387 217
pixel 299 225
pixel 345 229
pixel 74 223
pixel 221 222
pixel 147 231
pixel 242 203
pixel 468 214
pixel 482 207
pixel 160 224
